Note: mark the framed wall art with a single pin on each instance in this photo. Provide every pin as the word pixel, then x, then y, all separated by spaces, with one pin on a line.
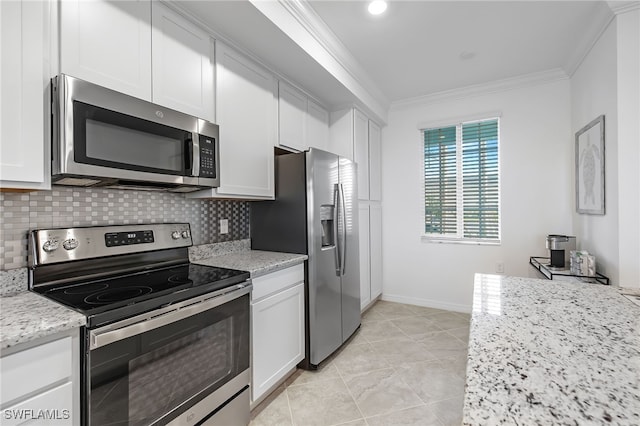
pixel 590 195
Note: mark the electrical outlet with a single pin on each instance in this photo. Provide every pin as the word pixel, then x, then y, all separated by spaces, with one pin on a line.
pixel 224 226
pixel 500 267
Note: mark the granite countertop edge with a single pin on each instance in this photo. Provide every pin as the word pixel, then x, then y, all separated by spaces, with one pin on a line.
pixel 256 262
pixel 27 316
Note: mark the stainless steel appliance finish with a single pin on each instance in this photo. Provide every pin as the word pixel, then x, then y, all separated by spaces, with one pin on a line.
pixel 315 213
pixel 560 247
pixel 166 341
pixel 105 138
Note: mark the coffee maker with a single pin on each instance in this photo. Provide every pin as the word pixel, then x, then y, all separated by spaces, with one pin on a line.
pixel 560 247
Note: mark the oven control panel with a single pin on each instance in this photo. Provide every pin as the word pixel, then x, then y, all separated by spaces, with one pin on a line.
pixel 64 244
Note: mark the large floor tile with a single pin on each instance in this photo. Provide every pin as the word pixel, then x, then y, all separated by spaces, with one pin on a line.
pixel 325 371
pixel 416 416
pixel 425 311
pixel 381 391
pixel 357 359
pixel 450 320
pixel 460 333
pixel 443 345
pixel 432 381
pixel 416 325
pixel 448 411
pixel 372 315
pixel 327 402
pixel 374 331
pixel 272 411
pixel 392 310
pixel 402 350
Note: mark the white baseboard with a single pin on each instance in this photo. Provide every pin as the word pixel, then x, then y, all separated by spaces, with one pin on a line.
pixel 427 303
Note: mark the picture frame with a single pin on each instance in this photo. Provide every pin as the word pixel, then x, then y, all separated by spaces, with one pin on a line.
pixel 590 172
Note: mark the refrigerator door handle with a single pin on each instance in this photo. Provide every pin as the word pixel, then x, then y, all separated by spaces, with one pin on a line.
pixel 336 216
pixel 344 231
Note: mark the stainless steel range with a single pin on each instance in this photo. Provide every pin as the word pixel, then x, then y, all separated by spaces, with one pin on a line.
pixel 166 341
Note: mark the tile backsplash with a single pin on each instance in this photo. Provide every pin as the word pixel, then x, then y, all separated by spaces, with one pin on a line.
pixel 66 207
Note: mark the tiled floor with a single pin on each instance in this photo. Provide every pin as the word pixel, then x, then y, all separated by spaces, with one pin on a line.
pixel 405 366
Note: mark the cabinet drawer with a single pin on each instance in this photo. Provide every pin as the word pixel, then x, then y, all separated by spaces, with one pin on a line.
pixel 276 281
pixel 52 407
pixel 33 369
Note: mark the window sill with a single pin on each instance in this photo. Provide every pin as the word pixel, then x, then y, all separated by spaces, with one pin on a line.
pixel 437 240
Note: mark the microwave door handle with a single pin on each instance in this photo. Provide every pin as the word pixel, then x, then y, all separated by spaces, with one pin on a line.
pixel 188 158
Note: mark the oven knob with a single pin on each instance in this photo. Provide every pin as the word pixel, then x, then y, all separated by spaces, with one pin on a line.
pixel 185 234
pixel 70 244
pixel 50 245
pixel 175 235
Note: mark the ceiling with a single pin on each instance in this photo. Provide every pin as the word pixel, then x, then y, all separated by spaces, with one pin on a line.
pixel 419 48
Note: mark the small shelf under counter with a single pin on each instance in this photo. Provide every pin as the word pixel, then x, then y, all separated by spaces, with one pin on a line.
pixel 542 265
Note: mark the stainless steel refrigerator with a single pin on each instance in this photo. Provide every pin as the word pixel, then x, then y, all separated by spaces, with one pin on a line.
pixel 316 213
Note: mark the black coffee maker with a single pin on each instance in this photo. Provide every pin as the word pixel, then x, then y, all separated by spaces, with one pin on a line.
pixel 560 247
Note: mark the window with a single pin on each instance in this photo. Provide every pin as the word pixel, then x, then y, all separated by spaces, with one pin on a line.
pixel 461 182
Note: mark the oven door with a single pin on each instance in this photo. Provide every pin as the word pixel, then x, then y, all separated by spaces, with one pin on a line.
pixel 183 363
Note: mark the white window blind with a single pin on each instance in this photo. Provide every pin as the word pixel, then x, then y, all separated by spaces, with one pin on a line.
pixel 461 181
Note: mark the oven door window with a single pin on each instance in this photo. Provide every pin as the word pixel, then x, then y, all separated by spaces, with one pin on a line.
pixel 111 139
pixel 152 377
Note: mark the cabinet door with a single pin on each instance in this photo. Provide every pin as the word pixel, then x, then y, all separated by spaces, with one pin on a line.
pixel 108 43
pixel 182 64
pixel 317 126
pixel 375 162
pixel 375 244
pixel 292 112
pixel 365 277
pixel 361 152
pixel 246 110
pixel 278 337
pixel 24 100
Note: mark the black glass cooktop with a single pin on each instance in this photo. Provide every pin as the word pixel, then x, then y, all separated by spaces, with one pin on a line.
pixel 115 298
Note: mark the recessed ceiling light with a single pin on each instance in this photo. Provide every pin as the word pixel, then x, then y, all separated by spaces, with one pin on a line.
pixel 377 7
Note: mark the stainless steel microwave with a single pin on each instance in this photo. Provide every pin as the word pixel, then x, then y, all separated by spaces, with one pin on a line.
pixel 109 139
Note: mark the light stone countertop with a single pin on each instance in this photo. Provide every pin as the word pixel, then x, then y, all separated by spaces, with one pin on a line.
pixel 28 316
pixel 552 352
pixel 256 262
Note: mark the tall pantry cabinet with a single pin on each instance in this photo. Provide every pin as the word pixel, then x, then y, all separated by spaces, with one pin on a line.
pixel 355 136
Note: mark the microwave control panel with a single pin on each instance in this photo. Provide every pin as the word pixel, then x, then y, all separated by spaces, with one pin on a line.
pixel 207 157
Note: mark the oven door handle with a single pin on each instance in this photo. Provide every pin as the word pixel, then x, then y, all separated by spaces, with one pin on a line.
pixel 161 317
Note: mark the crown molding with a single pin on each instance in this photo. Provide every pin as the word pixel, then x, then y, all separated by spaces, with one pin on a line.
pixel 595 28
pixel 503 85
pixel 298 20
pixel 619 7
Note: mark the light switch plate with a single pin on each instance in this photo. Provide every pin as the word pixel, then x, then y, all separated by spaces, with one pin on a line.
pixel 224 226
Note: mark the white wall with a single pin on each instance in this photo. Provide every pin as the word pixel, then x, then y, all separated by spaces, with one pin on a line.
pixel 594 92
pixel 628 47
pixel 536 172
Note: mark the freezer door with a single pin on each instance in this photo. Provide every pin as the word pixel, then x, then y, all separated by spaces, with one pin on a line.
pixel 325 323
pixel 349 248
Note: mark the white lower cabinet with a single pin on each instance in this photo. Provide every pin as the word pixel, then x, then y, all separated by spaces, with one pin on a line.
pixel 277 328
pixel 41 382
pixel 365 277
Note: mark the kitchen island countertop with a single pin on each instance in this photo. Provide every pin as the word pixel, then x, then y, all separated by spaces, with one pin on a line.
pixel 549 352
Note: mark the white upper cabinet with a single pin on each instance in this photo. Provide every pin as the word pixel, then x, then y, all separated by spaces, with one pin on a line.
pixel 246 108
pixel 140 48
pixel 24 95
pixel 292 116
pixel 182 64
pixel 361 152
pixel 375 162
pixel 108 43
pixel 353 135
pixel 302 122
pixel 317 126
